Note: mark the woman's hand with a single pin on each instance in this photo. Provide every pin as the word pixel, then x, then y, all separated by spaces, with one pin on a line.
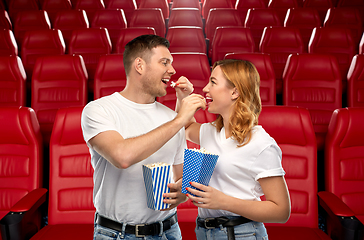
pixel 206 196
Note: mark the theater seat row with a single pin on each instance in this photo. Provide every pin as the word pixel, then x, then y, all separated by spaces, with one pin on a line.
pixel 70 207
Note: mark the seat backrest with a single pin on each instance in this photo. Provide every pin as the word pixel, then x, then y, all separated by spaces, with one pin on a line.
pixel 346 17
pixel 111 19
pixel 128 34
pixel 264 66
pixel 54 6
pixel 336 41
pixel 90 6
pixel 244 5
pixel 207 5
pixel 279 43
pixel 30 20
pixel 231 39
pixel 12 82
pixel 69 20
pixel 259 18
pixel 38 43
pixel 186 4
pixel 359 4
pixel 344 153
pixel 186 39
pixel 185 17
pixel 313 81
pixel 16 6
pixel 70 184
pixel 21 153
pixel 361 45
pixel 58 82
pixel 162 4
pixel 305 19
pixel 321 5
pixel 195 67
pixel 5 20
pixel 282 6
pixel 109 76
pixel 221 17
pixel 292 129
pixel 128 7
pixel 356 82
pixel 91 44
pixel 8 45
pixel 149 17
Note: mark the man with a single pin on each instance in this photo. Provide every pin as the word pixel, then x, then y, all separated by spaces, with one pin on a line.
pixel 128 129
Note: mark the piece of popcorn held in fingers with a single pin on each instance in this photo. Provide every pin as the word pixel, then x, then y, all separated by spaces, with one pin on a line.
pixel 174 84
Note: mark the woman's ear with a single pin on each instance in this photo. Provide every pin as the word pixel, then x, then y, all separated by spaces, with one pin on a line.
pixel 139 65
pixel 235 94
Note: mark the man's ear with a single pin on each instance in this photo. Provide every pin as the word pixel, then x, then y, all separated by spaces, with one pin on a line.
pixel 139 65
pixel 234 94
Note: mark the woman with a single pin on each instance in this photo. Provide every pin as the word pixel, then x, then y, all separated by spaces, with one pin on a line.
pixel 249 164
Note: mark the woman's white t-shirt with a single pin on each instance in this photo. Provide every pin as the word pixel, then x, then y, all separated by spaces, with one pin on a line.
pixel 238 168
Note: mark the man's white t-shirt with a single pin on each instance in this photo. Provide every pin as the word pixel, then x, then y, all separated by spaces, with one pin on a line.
pixel 119 194
pixel 238 168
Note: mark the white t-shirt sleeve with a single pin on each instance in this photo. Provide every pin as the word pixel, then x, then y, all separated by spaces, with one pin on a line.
pixel 268 163
pixel 95 120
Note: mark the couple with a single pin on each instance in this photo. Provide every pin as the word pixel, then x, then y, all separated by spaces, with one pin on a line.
pixel 128 129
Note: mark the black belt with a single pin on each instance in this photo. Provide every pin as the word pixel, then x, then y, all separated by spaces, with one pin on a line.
pixel 140 230
pixel 210 223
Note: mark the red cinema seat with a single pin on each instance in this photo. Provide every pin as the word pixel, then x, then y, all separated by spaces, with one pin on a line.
pixel 361 45
pixel 356 82
pixel 358 4
pixel 5 20
pixel 128 7
pixel 149 17
pixel 219 17
pixel 264 66
pixel 113 20
pixel 128 34
pixel 21 177
pixel 90 6
pixel 52 7
pixel 229 40
pixel 8 45
pixel 258 19
pixel 292 129
pixel 338 42
pixel 279 43
pixel 186 4
pixel 30 20
pixel 70 210
pixel 12 82
pixel 313 81
pixel 344 186
pixel 40 43
pixel 162 4
pixel 91 44
pixel 210 4
pixel 16 6
pixel 58 82
pixel 195 67
pixel 185 17
pixel 187 214
pixel 69 20
pixel 305 19
pixel 281 6
pixel 346 18
pixel 244 5
pixel 186 39
pixel 320 5
pixel 109 76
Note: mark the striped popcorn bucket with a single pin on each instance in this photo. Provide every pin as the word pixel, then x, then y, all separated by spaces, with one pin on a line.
pixel 156 179
pixel 197 167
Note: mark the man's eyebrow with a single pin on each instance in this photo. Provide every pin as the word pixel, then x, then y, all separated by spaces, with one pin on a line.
pixel 166 59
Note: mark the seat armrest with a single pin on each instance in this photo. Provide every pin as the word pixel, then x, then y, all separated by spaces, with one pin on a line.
pixel 333 204
pixel 31 201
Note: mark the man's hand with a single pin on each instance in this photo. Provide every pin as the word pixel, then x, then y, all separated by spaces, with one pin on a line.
pixel 175 196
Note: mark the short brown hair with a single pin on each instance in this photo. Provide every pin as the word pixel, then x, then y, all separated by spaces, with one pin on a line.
pixel 141 47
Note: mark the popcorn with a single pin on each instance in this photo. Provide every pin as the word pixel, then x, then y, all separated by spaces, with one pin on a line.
pixel 156 178
pixel 173 84
pixel 198 166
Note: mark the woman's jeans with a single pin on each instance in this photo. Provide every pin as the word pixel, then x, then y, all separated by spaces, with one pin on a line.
pixel 102 233
pixel 247 231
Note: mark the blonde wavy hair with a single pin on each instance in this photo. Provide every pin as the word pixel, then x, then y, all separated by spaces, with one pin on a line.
pixel 243 76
